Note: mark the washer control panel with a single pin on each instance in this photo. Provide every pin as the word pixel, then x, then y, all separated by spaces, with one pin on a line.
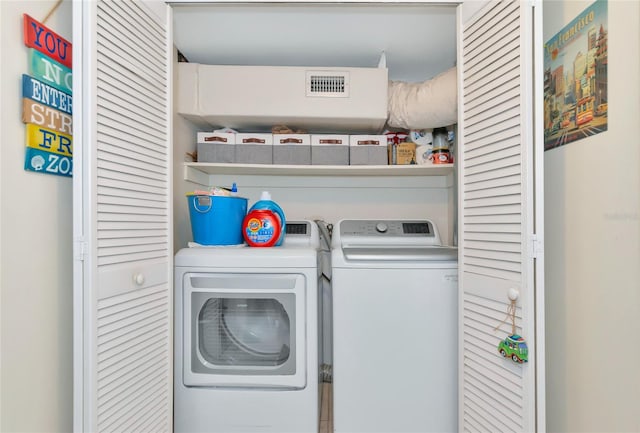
pixel 388 232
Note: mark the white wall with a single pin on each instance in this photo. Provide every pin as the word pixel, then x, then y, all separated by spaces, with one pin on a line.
pixel 35 255
pixel 331 198
pixel 592 220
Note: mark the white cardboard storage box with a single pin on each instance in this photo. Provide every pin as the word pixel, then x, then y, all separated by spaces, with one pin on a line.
pixel 329 149
pixel 254 148
pixel 292 149
pixel 357 100
pixel 368 149
pixel 216 147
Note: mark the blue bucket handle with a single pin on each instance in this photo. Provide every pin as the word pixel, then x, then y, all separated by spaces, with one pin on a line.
pixel 196 202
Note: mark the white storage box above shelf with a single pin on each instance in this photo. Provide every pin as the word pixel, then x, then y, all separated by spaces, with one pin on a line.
pixel 256 98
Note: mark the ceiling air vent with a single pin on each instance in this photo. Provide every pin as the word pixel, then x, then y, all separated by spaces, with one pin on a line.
pixel 332 84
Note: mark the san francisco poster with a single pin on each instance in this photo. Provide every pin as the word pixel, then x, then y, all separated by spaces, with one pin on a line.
pixel 575 79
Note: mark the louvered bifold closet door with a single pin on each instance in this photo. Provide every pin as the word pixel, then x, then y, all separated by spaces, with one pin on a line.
pixel 495 57
pixel 127 128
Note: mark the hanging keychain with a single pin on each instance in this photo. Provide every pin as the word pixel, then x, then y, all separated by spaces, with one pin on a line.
pixel 514 346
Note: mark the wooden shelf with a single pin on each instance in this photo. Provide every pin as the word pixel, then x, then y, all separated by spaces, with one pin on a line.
pixel 320 170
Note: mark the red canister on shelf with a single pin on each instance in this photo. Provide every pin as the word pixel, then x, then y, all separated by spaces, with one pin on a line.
pixel 441 156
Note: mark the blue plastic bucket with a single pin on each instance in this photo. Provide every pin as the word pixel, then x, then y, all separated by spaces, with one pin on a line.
pixel 216 220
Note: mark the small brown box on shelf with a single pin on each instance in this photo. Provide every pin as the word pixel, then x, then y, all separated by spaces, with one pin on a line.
pixel 402 153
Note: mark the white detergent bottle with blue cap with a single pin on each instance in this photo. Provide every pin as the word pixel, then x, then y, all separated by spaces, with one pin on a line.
pixel 265 202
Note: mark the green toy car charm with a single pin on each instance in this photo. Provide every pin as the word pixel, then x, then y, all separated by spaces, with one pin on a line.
pixel 514 347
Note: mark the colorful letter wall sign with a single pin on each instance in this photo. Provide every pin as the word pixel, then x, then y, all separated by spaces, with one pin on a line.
pixel 50 72
pixel 46 94
pixel 47 104
pixel 41 115
pixel 48 42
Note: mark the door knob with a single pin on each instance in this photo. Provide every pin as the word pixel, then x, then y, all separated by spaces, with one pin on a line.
pixel 513 294
pixel 138 279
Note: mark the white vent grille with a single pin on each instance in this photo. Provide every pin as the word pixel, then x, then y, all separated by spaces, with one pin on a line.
pixel 327 84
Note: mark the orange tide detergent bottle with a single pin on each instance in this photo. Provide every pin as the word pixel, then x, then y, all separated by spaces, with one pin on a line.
pixel 265 224
pixel 261 228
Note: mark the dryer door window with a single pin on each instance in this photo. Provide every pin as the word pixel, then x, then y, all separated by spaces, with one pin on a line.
pixel 245 335
pixel 244 330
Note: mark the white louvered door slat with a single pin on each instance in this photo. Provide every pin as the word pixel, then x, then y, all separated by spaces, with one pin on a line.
pixel 124 127
pixel 496 217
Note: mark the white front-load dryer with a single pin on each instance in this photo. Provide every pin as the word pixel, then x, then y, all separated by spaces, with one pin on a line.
pixel 394 328
pixel 247 337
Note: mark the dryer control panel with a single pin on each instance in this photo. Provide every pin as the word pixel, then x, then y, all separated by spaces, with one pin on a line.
pixel 302 234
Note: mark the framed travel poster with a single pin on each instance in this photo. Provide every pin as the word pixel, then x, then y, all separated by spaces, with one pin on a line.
pixel 575 79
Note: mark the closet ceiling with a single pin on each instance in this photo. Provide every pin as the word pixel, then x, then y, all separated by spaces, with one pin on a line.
pixel 419 41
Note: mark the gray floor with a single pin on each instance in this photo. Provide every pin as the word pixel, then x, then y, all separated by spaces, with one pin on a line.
pixel 326 413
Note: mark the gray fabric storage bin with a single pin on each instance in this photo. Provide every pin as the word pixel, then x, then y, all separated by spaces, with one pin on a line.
pixel 216 152
pixel 254 153
pixel 330 155
pixel 329 149
pixel 291 155
pixel 216 147
pixel 254 149
pixel 368 150
pixel 292 149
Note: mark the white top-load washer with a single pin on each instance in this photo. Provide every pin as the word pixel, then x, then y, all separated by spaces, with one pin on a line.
pixel 394 328
pixel 247 338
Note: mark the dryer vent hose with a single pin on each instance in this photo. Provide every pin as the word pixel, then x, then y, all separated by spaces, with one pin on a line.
pixel 326 371
pixel 326 230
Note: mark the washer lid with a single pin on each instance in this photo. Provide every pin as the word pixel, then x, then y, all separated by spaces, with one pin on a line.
pixel 386 253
